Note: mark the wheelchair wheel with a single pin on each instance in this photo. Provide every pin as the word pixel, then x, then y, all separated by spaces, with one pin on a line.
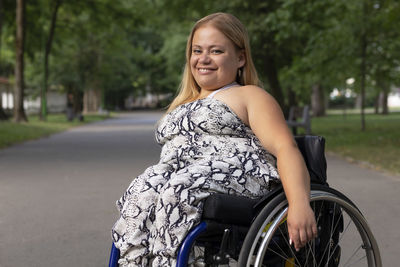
pixel 344 237
pixel 197 256
pixel 201 256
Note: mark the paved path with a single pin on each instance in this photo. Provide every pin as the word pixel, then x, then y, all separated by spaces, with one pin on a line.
pixel 57 194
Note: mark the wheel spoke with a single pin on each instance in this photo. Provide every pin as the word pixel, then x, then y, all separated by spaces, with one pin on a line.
pixel 356 261
pixel 287 242
pixel 340 238
pixel 320 210
pixel 318 217
pixel 311 251
pixel 331 234
pixel 354 253
pixel 283 257
pixel 283 235
pixel 344 238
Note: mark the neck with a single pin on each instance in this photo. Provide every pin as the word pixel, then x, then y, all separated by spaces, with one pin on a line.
pixel 205 92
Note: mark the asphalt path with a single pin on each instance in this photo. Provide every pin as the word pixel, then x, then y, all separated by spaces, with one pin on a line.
pixel 57 194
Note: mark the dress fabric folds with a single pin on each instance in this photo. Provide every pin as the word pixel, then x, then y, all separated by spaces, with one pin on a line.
pixel 206 149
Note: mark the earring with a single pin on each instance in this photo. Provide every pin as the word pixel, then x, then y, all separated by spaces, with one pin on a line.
pixel 239 73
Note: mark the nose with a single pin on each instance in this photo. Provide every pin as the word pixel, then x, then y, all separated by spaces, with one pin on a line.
pixel 204 58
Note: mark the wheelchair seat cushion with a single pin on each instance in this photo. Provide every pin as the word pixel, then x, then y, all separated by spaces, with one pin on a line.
pixel 229 209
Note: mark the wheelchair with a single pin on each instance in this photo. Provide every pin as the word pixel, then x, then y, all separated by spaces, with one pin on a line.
pixel 238 231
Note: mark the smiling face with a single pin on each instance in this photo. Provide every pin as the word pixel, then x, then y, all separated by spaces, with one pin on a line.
pixel 214 59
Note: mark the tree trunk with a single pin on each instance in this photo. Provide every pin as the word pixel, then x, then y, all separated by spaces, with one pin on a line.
pixel 363 77
pixel 19 112
pixel 3 115
pixel 1 23
pixel 384 101
pixel 363 67
pixel 49 42
pixel 292 100
pixel 273 80
pixel 91 101
pixel 317 101
pixel 377 103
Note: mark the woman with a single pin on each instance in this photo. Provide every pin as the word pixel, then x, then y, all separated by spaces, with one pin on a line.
pixel 222 133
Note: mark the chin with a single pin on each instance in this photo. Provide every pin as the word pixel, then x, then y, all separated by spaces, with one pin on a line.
pixel 207 84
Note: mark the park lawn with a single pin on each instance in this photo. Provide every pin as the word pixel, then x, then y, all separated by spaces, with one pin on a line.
pixel 14 133
pixel 378 146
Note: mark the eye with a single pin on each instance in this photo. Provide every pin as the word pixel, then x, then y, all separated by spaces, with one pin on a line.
pixel 196 51
pixel 216 51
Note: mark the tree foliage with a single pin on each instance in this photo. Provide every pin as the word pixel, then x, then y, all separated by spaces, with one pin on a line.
pixel 135 47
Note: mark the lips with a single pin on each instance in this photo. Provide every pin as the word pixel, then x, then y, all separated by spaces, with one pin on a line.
pixel 205 70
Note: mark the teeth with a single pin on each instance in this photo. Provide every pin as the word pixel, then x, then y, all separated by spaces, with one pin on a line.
pixel 204 70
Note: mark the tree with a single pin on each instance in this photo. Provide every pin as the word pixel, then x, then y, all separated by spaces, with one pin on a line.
pixel 384 52
pixel 301 49
pixel 19 112
pixel 4 67
pixel 3 115
pixel 47 50
pixel 373 30
pixel 1 20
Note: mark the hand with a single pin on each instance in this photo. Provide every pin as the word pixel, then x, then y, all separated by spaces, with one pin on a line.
pixel 301 224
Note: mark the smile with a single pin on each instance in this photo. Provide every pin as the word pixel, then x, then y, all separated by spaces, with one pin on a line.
pixel 204 70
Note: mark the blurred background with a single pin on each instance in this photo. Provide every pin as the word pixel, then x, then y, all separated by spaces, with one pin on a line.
pixel 66 63
pixel 92 57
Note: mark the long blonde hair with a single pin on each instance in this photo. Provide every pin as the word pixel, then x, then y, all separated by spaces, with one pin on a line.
pixel 232 28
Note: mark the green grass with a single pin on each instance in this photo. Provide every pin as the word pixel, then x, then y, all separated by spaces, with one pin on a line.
pixel 378 145
pixel 14 133
pixel 368 110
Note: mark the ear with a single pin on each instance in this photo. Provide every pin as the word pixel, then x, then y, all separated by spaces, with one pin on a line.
pixel 242 58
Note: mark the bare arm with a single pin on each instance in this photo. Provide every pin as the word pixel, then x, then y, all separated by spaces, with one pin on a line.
pixel 267 122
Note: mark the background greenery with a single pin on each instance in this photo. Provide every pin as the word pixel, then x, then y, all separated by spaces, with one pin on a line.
pixel 124 47
pixel 131 47
pixel 377 147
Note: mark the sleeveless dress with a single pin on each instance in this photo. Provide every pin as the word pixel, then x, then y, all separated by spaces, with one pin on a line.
pixel 206 149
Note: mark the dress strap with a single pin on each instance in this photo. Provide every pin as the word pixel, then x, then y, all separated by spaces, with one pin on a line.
pixel 222 88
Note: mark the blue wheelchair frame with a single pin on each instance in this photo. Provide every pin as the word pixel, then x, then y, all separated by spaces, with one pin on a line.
pixel 114 257
pixel 183 253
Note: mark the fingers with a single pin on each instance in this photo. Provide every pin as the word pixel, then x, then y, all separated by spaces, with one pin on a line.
pixel 314 230
pixel 299 239
pixel 300 236
pixel 302 226
pixel 302 239
pixel 294 239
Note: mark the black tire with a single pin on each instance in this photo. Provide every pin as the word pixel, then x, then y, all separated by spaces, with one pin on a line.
pixel 344 237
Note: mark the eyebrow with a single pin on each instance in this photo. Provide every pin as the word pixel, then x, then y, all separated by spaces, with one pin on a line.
pixel 211 46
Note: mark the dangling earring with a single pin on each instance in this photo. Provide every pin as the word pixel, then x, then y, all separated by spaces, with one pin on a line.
pixel 239 75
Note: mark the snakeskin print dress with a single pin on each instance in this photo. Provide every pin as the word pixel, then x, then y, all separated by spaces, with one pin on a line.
pixel 206 149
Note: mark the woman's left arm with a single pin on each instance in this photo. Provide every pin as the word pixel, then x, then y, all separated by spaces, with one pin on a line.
pixel 267 122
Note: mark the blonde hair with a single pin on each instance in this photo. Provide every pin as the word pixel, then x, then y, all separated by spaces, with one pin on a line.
pixel 232 28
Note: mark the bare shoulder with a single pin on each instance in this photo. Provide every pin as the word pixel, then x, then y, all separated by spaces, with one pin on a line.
pixel 249 101
pixel 255 97
pixel 248 93
pixel 235 99
pixel 266 118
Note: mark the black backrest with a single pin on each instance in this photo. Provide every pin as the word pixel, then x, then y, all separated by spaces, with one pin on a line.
pixel 313 150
